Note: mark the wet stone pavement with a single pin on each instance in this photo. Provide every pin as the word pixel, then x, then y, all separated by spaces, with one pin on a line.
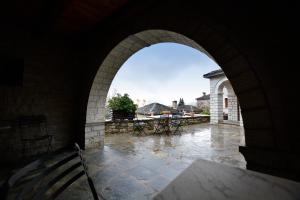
pixel 138 167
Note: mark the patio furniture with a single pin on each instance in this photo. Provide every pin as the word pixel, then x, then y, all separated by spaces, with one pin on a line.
pixel 33 129
pixel 176 123
pixel 138 126
pixel 163 125
pixel 38 181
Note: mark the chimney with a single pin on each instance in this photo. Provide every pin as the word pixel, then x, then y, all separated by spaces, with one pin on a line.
pixel 204 93
pixel 174 104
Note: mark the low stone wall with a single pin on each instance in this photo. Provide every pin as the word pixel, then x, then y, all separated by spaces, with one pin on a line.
pixel 127 126
pixel 115 127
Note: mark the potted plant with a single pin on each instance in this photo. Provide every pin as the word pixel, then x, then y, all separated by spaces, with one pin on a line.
pixel 122 107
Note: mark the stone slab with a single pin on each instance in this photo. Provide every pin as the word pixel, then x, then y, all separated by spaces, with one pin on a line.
pixel 209 180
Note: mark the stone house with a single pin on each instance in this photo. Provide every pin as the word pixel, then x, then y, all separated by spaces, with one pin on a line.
pixel 181 107
pixel 203 101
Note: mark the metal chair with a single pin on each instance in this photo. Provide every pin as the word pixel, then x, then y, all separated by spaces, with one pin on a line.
pixel 37 181
pixel 138 126
pixel 162 125
pixel 176 123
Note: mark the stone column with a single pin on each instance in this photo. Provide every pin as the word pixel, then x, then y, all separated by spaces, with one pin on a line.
pixel 232 108
pixel 94 135
pixel 95 125
pixel 220 107
pixel 216 108
pixel 213 109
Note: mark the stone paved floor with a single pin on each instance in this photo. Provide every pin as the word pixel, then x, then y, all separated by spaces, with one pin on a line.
pixel 132 167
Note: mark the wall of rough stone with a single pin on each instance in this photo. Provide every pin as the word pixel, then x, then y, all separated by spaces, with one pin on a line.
pixel 119 127
pixel 127 126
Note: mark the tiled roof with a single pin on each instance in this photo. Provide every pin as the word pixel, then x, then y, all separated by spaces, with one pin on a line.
pixel 213 73
pixel 204 97
pixel 155 108
pixel 188 108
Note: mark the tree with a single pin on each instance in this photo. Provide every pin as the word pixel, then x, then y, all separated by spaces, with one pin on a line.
pixel 122 105
pixel 181 102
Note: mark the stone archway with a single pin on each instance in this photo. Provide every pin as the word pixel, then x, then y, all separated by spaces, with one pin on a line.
pixel 216 99
pixel 218 81
pixel 94 131
pixel 71 45
pixel 257 116
pixel 114 60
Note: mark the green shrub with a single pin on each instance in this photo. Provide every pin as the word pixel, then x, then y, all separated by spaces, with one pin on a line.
pixel 205 111
pixel 122 103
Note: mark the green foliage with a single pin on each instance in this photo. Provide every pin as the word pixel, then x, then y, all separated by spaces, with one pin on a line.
pixel 205 111
pixel 181 102
pixel 122 103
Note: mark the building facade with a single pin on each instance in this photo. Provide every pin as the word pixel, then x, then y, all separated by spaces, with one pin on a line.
pixel 203 102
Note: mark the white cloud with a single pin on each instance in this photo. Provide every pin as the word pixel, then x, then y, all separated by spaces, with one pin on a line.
pixel 163 73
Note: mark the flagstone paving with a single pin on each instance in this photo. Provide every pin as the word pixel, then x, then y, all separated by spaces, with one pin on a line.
pixel 138 167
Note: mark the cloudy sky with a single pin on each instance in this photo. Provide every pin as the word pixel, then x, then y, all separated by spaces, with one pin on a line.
pixel 164 72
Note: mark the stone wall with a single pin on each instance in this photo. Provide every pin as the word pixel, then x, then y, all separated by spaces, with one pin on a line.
pixel 127 126
pixel 116 127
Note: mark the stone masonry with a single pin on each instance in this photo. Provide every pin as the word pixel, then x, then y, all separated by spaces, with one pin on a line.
pixel 127 126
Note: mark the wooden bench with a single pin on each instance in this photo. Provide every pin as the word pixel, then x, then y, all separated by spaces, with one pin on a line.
pixel 37 181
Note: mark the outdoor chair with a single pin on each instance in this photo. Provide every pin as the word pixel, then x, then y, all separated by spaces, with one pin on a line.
pixel 177 124
pixel 138 127
pixel 37 181
pixel 162 125
pixel 33 130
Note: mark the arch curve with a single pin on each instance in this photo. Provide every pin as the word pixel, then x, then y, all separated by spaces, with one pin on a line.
pixel 115 59
pixel 224 82
pixel 234 66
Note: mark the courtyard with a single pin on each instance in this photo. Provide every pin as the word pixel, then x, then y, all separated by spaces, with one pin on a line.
pixel 138 167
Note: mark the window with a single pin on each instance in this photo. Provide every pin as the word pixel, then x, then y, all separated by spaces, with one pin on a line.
pixel 226 102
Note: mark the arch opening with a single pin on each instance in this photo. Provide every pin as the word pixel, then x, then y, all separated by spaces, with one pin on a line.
pixel 224 102
pixel 237 70
pixel 95 116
